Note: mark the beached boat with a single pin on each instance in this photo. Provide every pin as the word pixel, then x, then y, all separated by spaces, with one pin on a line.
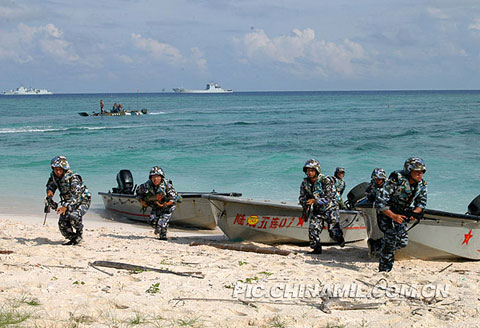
pixel 22 91
pixel 275 222
pixel 438 235
pixel 121 113
pixel 210 88
pixel 193 211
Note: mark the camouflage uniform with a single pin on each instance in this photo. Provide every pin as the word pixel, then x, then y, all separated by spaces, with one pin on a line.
pixel 339 186
pixel 397 195
pixel 374 245
pixel 373 188
pixel 325 208
pixel 75 196
pixel 160 216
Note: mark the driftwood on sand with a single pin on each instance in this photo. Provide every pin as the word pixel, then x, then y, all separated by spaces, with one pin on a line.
pixel 5 252
pixel 131 267
pixel 324 305
pixel 244 248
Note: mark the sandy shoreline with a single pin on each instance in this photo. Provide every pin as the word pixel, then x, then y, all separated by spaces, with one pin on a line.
pixel 54 286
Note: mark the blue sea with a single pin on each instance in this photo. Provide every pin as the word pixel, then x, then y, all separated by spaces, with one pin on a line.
pixel 253 143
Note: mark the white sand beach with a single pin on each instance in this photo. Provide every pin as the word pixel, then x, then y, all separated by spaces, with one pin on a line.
pixel 46 284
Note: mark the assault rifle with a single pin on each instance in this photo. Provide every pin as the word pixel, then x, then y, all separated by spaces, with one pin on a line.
pixel 49 204
pixel 409 213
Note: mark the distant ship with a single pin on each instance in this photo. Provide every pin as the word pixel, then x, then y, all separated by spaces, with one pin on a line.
pixel 210 88
pixel 22 91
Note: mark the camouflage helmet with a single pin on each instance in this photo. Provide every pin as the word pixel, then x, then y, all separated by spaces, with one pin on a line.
pixel 60 161
pixel 312 164
pixel 379 173
pixel 414 164
pixel 157 170
pixel 339 170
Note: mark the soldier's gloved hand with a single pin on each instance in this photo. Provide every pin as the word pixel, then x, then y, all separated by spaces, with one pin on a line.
pixel 50 193
pixel 144 203
pixel 62 210
pixel 159 197
pixel 310 201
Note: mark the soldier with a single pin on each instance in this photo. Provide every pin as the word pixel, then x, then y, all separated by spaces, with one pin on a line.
pixel 401 190
pixel 319 190
pixel 159 194
pixel 74 199
pixel 340 185
pixel 378 178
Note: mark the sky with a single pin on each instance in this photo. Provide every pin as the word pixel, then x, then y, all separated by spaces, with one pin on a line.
pixel 108 46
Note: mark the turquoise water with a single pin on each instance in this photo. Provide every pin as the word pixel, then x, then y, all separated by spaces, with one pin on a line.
pixel 253 143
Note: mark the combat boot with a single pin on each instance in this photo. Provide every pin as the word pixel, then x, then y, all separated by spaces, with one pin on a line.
pixel 341 242
pixel 316 250
pixel 163 234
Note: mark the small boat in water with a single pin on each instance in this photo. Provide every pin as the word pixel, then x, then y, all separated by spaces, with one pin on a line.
pixel 121 113
pixel 194 210
pixel 210 88
pixel 22 91
pixel 438 235
pixel 276 222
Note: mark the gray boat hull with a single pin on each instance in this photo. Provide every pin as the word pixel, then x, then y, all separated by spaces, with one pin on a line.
pixel 193 211
pixel 274 222
pixel 439 235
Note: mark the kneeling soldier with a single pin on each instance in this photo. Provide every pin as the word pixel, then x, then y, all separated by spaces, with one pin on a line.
pixel 74 199
pixel 159 194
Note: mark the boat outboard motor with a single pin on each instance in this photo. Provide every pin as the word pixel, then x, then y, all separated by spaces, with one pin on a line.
pixel 474 207
pixel 356 193
pixel 125 182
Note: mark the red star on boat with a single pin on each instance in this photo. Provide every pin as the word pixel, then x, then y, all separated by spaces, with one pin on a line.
pixel 300 221
pixel 467 237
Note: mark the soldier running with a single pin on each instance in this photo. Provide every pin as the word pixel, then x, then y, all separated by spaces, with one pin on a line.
pixel 402 190
pixel 159 194
pixel 319 190
pixel 74 199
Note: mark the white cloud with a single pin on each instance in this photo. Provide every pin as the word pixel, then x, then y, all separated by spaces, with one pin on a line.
pixel 126 59
pixel 437 13
pixel 158 50
pixel 475 25
pixel 168 53
pixel 27 43
pixel 303 53
pixel 11 11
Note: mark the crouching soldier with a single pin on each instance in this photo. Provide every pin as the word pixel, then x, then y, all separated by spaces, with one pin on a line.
pixel 318 191
pixel 74 199
pixel 159 194
pixel 402 190
pixel 377 181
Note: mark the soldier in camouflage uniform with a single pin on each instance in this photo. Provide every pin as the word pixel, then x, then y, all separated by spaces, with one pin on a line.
pixel 74 199
pixel 159 194
pixel 340 185
pixel 377 181
pixel 402 190
pixel 318 190
pixel 378 178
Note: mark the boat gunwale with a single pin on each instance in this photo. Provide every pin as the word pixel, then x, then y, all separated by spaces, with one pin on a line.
pixel 439 215
pixel 284 205
pixel 184 194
